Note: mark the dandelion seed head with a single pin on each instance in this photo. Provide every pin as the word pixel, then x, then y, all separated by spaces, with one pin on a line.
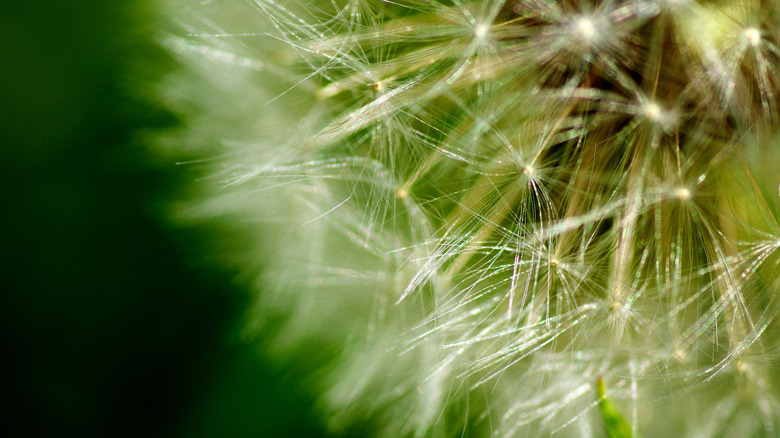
pixel 481 31
pixel 752 36
pixel 488 190
pixel 657 115
pixel 683 194
pixel 652 111
pixel 586 28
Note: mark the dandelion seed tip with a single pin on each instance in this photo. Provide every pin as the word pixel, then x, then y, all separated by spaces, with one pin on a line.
pixel 740 366
pixel 679 353
pixel 555 262
pixel 402 193
pixel 529 171
pixel 586 28
pixel 683 194
pixel 752 36
pixel 378 86
pixel 652 111
pixel 614 307
pixel 481 31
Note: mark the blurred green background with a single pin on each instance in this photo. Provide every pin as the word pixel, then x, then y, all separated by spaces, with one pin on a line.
pixel 111 322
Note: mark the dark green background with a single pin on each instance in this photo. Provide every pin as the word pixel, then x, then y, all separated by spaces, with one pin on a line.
pixel 111 323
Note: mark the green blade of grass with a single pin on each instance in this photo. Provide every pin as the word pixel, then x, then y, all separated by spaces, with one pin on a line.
pixel 615 424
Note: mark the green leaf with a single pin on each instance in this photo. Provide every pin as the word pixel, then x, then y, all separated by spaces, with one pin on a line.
pixel 615 424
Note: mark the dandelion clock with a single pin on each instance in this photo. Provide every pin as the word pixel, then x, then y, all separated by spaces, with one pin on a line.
pixel 515 218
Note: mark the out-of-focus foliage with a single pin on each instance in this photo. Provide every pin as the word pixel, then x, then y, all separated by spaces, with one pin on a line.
pixel 112 323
